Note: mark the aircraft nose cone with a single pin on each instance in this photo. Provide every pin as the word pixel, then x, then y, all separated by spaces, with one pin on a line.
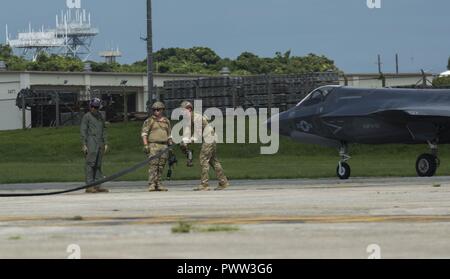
pixel 274 118
pixel 282 119
pixel 284 116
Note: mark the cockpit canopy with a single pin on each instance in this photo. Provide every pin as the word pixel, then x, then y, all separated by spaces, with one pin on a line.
pixel 317 96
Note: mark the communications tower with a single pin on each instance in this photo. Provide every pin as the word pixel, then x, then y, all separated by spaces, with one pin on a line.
pixel 72 36
pixel 32 43
pixel 74 25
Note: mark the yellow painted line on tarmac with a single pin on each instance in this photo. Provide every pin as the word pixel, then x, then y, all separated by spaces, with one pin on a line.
pixel 232 220
pixel 328 219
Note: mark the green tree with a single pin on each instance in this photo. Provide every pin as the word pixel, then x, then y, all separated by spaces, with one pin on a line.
pixel 5 52
pixel 45 62
pixel 100 67
pixel 283 58
pixel 248 62
pixel 15 63
pixel 206 55
pixel 441 82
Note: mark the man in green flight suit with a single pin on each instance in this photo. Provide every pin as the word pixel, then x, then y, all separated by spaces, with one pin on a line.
pixel 94 144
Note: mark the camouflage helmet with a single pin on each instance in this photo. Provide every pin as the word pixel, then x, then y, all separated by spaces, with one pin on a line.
pixel 186 105
pixel 158 105
pixel 95 103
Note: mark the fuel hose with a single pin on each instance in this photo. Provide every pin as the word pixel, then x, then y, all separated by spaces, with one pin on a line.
pixel 96 183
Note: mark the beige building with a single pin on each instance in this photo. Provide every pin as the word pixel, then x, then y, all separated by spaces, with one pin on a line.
pixel 392 80
pixel 83 83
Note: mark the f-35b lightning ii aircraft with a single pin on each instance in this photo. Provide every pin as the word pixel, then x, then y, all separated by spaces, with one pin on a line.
pixel 337 116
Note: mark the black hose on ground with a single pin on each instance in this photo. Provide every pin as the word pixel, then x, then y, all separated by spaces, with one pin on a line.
pixel 96 183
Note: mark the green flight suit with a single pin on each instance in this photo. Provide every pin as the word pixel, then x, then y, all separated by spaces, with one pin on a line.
pixel 93 135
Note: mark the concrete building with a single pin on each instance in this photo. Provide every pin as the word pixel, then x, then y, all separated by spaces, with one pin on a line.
pixel 83 83
pixel 133 84
pixel 445 74
pixel 392 80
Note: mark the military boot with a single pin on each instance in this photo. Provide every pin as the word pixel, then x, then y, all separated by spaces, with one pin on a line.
pixel 222 187
pixel 99 189
pixel 152 188
pixel 161 188
pixel 202 188
pixel 91 190
pixel 155 188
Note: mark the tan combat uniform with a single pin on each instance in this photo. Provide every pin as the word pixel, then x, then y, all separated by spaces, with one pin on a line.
pixel 158 133
pixel 208 153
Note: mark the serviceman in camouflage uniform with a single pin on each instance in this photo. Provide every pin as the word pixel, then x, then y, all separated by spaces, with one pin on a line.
pixel 156 137
pixel 208 153
pixel 94 144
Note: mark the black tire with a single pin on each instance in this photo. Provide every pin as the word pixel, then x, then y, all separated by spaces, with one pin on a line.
pixel 343 171
pixel 426 165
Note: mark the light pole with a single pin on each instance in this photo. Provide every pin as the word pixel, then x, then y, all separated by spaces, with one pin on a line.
pixel 123 83
pixel 151 98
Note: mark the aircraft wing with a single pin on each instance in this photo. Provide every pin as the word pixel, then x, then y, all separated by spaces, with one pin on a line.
pixel 422 123
pixel 395 114
pixel 431 114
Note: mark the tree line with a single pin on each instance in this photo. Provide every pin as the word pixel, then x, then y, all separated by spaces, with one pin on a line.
pixel 195 60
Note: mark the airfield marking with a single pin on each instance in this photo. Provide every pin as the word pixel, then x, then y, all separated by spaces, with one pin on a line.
pixel 238 220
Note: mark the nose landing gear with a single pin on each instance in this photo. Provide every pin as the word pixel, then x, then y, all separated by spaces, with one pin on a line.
pixel 343 170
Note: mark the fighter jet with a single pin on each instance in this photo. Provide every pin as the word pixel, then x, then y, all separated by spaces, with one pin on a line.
pixel 337 116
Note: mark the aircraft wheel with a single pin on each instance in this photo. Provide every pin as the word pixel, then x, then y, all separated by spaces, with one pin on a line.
pixel 427 165
pixel 343 171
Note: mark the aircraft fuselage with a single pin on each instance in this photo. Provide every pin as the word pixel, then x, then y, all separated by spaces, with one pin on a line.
pixel 369 116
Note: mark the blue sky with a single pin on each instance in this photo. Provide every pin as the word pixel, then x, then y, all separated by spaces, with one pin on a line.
pixel 344 30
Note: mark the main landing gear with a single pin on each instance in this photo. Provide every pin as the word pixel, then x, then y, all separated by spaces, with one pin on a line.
pixel 343 170
pixel 427 164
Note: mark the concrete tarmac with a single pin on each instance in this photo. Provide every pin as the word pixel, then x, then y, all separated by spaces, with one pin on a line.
pixel 301 218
